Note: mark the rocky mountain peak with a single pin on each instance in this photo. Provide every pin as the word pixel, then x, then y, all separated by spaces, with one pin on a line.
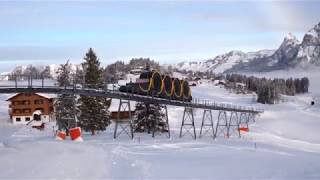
pixel 287 50
pixel 309 51
pixel 312 37
pixel 290 39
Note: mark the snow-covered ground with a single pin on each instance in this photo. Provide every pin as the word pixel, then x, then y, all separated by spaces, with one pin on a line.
pixel 282 144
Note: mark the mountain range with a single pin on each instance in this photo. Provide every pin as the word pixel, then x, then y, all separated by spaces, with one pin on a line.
pixel 291 53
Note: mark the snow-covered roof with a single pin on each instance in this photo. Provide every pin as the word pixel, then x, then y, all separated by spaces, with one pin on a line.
pixel 47 96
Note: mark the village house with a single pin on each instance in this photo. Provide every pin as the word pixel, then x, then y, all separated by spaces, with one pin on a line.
pixel 24 107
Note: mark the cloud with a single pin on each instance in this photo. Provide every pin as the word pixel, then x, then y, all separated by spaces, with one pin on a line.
pixel 57 31
pixel 265 16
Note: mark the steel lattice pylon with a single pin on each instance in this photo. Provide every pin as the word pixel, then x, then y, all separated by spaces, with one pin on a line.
pixel 222 124
pixel 233 125
pixel 206 126
pixel 188 123
pixel 126 126
pixel 251 117
pixel 243 120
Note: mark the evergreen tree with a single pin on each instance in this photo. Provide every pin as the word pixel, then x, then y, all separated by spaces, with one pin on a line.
pixel 93 111
pixel 65 103
pixel 305 85
pixel 149 117
pixel 79 76
pixel 46 73
pixel 291 89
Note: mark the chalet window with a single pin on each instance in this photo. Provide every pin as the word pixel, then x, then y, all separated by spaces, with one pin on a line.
pixel 15 102
pixel 38 101
pixel 16 110
pixel 23 102
pixel 26 110
pixel 26 102
pixel 18 119
pixel 27 118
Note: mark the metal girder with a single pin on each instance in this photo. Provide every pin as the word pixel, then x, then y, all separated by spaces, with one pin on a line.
pixel 125 126
pixel 207 124
pixel 244 120
pixel 233 124
pixel 196 103
pixel 188 123
pixel 222 124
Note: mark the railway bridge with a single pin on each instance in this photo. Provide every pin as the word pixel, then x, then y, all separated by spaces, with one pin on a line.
pixel 230 119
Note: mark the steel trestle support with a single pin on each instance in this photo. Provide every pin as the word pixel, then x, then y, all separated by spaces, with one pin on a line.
pixel 188 123
pixel 127 125
pixel 222 124
pixel 233 125
pixel 207 124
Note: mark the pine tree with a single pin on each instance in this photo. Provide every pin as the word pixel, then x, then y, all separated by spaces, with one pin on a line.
pixel 304 84
pixel 46 73
pixel 149 117
pixel 291 89
pixel 93 111
pixel 65 105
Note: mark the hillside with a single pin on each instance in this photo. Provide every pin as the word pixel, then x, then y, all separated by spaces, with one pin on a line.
pixel 282 144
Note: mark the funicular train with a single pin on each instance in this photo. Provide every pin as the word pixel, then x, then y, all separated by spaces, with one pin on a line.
pixel 152 83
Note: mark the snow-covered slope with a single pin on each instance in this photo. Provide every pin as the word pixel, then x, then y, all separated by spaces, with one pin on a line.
pixel 282 144
pixel 222 62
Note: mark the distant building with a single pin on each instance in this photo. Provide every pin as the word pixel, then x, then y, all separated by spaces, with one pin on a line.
pixel 137 71
pixel 25 107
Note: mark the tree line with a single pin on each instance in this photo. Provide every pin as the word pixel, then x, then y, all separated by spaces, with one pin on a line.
pixel 40 72
pixel 269 90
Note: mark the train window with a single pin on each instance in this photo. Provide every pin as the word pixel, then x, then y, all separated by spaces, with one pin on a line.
pixel 145 75
pixel 18 119
pixel 27 118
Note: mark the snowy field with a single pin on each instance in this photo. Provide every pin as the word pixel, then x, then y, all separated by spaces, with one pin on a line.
pixel 284 143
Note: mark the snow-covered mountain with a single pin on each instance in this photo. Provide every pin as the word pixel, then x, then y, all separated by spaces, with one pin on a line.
pixel 309 49
pixel 291 53
pixel 223 62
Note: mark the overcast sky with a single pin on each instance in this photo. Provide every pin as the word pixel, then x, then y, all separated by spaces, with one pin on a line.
pixel 52 32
